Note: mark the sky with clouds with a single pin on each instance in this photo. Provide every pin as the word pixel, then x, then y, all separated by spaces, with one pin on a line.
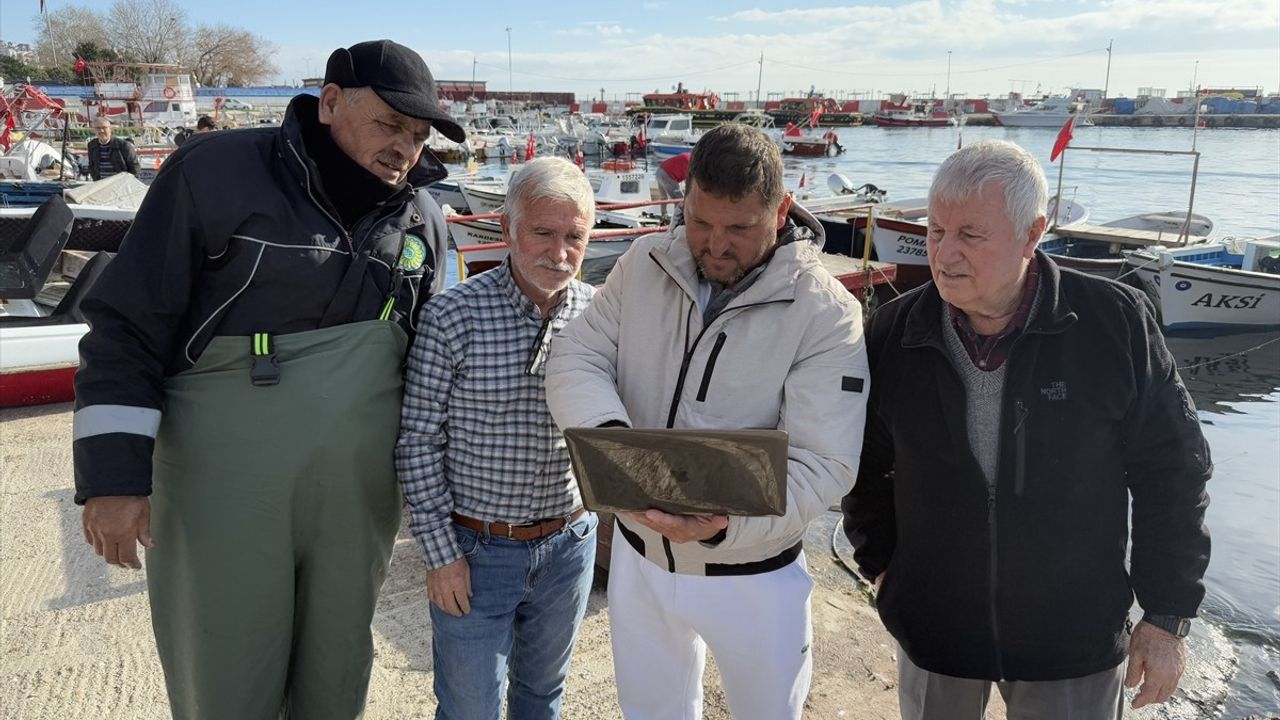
pixel 870 47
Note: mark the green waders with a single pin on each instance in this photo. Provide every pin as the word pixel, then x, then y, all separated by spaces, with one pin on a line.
pixel 274 510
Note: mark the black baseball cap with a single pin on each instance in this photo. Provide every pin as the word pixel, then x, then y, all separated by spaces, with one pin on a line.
pixel 398 75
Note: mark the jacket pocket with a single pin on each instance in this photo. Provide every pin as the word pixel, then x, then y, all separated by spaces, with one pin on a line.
pixel 711 367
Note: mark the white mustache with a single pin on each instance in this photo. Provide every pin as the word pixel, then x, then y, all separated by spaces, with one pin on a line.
pixel 558 267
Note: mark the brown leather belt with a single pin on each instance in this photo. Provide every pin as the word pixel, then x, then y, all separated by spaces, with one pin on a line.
pixel 523 533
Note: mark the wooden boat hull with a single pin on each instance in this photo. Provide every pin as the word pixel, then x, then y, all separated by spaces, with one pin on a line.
pixel 802 148
pixel 894 122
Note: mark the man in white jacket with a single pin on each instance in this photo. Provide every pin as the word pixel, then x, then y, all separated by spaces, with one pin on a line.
pixel 727 322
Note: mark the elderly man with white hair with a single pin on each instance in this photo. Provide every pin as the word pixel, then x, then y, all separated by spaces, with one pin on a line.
pixel 1016 408
pixel 509 548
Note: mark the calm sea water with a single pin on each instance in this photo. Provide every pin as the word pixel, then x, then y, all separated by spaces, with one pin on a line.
pixel 1234 379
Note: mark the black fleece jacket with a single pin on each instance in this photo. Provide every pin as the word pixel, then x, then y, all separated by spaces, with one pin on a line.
pixel 1027 579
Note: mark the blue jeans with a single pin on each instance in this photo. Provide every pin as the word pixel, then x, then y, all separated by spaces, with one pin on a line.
pixel 528 599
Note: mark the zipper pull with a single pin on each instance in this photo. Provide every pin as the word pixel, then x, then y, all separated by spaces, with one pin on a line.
pixel 397 277
pixel 1020 415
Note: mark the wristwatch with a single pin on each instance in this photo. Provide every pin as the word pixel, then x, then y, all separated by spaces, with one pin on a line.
pixel 1175 626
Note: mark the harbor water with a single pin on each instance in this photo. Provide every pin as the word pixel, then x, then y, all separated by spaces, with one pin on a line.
pixel 1234 379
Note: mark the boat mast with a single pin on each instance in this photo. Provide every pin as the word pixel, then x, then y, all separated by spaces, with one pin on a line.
pixel 759 79
pixel 1106 84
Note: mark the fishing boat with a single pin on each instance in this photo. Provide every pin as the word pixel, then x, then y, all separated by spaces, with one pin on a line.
pixel 40 322
pixel 1053 112
pixel 918 114
pixel 811 143
pixel 1234 284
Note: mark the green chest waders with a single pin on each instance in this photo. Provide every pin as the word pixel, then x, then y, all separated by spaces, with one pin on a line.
pixel 274 511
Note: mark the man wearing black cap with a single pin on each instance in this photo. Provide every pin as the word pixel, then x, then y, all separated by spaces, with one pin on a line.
pixel 239 393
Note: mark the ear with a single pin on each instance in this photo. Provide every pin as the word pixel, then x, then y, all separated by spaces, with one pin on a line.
pixel 330 96
pixel 508 233
pixel 783 209
pixel 1034 233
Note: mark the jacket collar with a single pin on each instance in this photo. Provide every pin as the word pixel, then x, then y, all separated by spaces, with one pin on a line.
pixel 428 170
pixel 778 280
pixel 1053 315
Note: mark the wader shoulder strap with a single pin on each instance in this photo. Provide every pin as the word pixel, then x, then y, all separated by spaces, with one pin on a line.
pixel 342 307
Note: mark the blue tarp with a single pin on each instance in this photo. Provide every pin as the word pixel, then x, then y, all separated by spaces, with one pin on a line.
pixel 1124 106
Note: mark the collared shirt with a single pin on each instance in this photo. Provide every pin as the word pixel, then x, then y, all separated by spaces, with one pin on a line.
pixel 989 352
pixel 476 437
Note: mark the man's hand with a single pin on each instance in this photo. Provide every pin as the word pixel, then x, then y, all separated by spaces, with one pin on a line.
pixel 681 528
pixel 115 525
pixel 449 587
pixel 1156 659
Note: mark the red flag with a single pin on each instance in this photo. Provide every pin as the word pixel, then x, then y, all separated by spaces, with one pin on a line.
pixel 1064 137
pixel 79 66
pixel 529 147
pixel 641 141
pixel 813 119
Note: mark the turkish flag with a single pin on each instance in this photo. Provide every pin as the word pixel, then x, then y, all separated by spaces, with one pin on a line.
pixel 813 118
pixel 79 66
pixel 1064 137
pixel 529 147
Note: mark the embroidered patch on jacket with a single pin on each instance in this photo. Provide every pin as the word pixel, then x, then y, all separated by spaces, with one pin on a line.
pixel 1056 390
pixel 414 253
pixel 851 384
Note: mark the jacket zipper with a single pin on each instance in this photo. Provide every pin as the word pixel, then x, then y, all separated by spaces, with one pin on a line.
pixel 995 620
pixel 711 367
pixel 306 174
pixel 684 372
pixel 684 368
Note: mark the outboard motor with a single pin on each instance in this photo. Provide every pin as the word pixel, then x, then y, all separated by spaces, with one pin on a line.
pixel 839 184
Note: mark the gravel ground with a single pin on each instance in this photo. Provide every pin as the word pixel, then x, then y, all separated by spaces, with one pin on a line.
pixel 75 635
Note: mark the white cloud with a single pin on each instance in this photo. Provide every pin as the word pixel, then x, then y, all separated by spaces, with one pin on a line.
pixel 903 48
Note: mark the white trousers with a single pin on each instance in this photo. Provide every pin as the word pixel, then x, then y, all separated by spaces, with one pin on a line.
pixel 759 628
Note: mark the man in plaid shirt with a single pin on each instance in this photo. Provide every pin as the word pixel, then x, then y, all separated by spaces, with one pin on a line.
pixel 508 546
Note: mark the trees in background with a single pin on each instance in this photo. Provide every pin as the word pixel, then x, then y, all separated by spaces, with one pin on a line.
pixel 150 31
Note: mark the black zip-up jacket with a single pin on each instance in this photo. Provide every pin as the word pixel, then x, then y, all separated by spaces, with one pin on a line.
pixel 233 238
pixel 1026 580
pixel 122 154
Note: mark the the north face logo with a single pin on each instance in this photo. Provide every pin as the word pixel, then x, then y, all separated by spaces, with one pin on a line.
pixel 1056 390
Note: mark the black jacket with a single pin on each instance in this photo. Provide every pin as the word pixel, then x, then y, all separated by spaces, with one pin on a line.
pixel 1027 580
pixel 234 238
pixel 122 154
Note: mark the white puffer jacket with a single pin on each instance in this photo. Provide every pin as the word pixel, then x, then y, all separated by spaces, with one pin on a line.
pixel 786 354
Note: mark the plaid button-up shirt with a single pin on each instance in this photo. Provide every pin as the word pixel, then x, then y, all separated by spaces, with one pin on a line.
pixel 476 437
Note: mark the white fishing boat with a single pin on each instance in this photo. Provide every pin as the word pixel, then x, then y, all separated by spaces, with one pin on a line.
pixel 1234 284
pixel 40 321
pixel 1051 113
pixel 1167 223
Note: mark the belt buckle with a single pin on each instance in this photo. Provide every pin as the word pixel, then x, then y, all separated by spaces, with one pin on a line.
pixel 510 531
